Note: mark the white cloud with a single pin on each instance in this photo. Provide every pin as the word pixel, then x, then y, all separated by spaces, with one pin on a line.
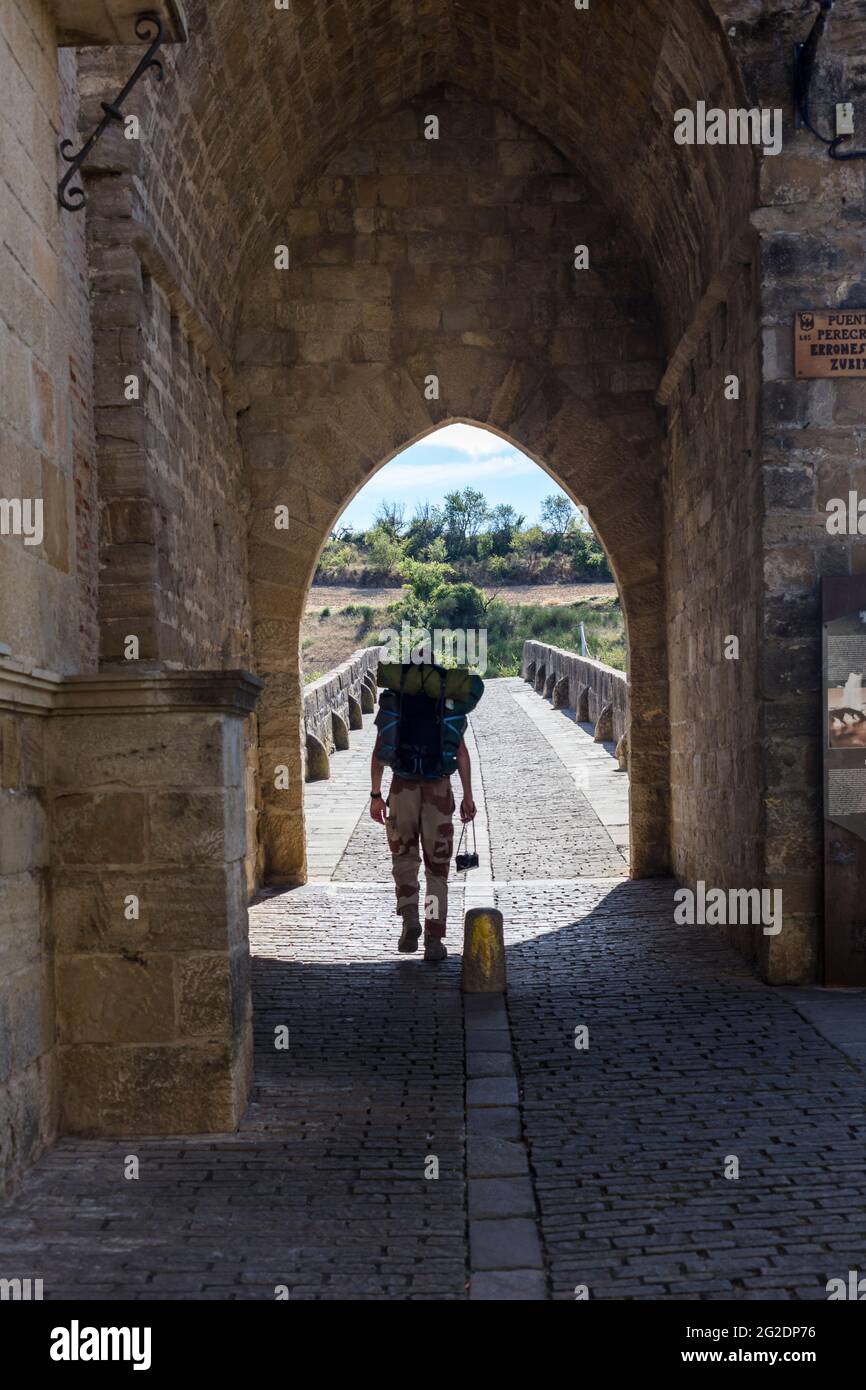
pixel 463 439
pixel 402 476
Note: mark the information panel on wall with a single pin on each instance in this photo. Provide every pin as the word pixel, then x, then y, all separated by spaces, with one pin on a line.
pixel 844 759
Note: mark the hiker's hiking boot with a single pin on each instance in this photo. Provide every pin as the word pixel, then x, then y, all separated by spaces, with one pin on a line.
pixel 410 935
pixel 434 947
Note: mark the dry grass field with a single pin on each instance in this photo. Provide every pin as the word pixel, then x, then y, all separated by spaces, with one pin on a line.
pixel 328 640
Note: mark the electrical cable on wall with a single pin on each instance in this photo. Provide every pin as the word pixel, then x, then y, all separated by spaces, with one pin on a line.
pixel 804 71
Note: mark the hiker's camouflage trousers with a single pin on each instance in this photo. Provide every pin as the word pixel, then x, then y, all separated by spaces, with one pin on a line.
pixel 421 812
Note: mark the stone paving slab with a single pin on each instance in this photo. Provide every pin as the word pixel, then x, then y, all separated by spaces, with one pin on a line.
pixel 491 1090
pixel 334 807
pixel 691 1059
pixel 489 1064
pixel 504 1244
pixel 501 1197
pixel 503 1286
pixel 838 1014
pixel 487 1158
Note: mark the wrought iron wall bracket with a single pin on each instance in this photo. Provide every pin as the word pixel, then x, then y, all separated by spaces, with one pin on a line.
pixel 150 30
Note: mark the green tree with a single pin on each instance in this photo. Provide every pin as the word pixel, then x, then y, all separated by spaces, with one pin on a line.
pixel 436 551
pixel 425 579
pixel 597 562
pixel 588 560
pixel 504 523
pixel 499 567
pixel 458 606
pixel 529 545
pixel 424 529
pixel 557 514
pixel 336 556
pixel 464 516
pixel 386 552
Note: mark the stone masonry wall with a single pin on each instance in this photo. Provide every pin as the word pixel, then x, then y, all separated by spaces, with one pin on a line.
pixel 47 591
pixel 714 576
pixel 810 215
pixel 172 494
pixel 257 109
pixel 152 958
pixel 28 1066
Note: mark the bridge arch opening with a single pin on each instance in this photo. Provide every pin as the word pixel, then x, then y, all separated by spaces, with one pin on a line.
pixel 457 478
pixel 422 291
pixel 583 456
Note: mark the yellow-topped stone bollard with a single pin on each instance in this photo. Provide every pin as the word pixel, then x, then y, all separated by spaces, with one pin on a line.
pixel 483 952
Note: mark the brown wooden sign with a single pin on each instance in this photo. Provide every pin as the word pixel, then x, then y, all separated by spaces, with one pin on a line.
pixel 830 342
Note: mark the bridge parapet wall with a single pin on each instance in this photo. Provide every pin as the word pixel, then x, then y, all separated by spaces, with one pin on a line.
pixel 332 705
pixel 598 693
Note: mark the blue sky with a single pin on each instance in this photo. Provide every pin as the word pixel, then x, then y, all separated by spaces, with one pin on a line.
pixel 455 457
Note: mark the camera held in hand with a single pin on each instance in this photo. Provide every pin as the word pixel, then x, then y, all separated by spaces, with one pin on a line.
pixel 467 860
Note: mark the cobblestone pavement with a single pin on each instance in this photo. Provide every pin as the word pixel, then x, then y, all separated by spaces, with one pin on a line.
pixel 691 1061
pixel 323 1189
pixel 558 1167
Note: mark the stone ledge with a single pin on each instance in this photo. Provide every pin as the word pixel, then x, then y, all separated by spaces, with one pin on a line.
pixel 98 23
pixel 34 691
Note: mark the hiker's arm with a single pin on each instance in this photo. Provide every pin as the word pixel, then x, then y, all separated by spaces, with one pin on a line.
pixel 464 768
pixel 377 768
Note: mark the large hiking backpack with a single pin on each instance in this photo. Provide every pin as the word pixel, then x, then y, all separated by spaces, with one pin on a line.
pixel 422 717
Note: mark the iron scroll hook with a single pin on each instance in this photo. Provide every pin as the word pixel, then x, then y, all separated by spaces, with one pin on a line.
pixel 150 29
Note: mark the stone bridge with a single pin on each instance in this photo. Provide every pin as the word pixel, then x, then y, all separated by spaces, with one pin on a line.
pixel 335 703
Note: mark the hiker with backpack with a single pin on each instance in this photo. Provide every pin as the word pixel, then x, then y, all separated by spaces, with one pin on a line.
pixel 421 720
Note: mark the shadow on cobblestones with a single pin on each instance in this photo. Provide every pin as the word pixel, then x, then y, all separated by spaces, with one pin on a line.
pixel 323 1189
pixel 691 1060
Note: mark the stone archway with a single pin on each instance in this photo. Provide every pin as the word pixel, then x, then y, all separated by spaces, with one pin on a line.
pixel 413 297
pixel 449 257
pixel 635 555
pixel 547 140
